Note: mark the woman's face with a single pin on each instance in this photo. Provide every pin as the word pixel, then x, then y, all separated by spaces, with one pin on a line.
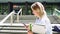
pixel 37 9
pixel 36 12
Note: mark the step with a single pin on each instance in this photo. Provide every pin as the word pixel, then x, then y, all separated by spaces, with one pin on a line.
pixel 12 28
pixel 13 31
pixel 11 25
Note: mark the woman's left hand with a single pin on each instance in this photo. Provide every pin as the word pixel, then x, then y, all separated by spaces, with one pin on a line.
pixel 28 29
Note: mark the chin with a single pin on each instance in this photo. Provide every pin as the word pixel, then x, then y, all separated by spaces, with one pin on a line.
pixel 35 16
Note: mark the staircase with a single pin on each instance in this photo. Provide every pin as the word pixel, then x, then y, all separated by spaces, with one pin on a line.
pixel 14 28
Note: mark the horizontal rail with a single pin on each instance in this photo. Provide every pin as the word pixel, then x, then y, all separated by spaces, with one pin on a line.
pixel 57 10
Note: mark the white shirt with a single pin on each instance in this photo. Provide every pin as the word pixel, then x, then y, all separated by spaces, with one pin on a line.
pixel 45 21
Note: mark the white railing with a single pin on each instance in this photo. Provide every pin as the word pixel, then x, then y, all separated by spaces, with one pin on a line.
pixel 56 12
pixel 18 15
pixel 8 17
pixel 11 15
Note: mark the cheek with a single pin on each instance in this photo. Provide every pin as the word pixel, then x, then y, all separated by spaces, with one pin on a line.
pixel 33 12
pixel 37 13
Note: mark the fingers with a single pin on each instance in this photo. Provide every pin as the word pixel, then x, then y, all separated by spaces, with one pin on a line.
pixel 27 27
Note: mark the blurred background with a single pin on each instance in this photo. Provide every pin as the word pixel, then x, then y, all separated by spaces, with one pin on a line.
pixel 6 6
pixel 52 8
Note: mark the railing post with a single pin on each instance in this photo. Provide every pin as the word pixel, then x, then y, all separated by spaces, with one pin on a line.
pixel 18 18
pixel 11 19
pixel 21 13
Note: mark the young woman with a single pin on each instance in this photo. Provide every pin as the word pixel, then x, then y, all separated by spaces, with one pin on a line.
pixel 42 19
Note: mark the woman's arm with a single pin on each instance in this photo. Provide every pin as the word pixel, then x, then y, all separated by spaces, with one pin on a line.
pixel 48 27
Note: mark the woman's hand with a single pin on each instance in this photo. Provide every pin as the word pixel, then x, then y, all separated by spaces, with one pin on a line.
pixel 28 29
